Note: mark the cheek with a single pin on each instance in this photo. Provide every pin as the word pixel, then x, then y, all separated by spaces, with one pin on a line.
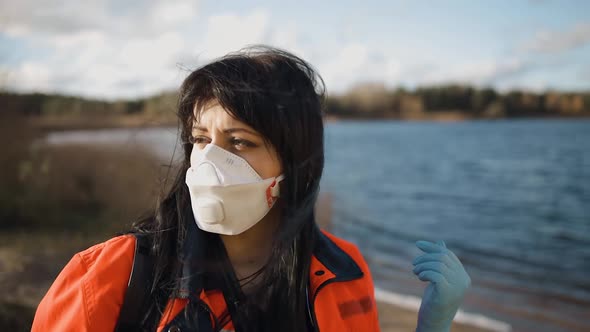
pixel 266 164
pixel 275 164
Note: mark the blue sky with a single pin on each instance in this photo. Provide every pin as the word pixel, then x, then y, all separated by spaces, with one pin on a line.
pixel 121 49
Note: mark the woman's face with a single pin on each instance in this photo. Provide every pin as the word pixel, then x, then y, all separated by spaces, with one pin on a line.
pixel 216 126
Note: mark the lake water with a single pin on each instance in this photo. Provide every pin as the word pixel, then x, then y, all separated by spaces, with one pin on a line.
pixel 511 198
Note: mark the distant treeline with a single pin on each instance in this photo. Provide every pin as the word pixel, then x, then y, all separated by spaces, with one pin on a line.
pixel 364 101
pixel 459 101
pixel 39 104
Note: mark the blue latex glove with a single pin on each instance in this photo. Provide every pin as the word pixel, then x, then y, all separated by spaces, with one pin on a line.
pixel 448 283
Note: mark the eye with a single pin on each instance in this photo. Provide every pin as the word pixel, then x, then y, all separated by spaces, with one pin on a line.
pixel 241 144
pixel 199 140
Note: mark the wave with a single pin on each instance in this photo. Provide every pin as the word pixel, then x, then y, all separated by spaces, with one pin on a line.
pixel 413 303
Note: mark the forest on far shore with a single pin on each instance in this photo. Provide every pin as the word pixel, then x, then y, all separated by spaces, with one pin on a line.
pixel 366 101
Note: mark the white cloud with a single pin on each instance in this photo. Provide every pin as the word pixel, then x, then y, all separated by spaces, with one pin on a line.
pixel 227 32
pixel 118 18
pixel 30 75
pixel 95 48
pixel 21 18
pixel 286 36
pixel 356 62
pixel 107 52
pixel 93 63
pixel 108 48
pixel 481 72
pixel 172 13
pixel 559 41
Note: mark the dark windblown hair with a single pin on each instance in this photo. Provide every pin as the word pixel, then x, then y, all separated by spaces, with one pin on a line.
pixel 280 96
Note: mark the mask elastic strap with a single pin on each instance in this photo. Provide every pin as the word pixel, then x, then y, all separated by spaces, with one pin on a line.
pixel 275 186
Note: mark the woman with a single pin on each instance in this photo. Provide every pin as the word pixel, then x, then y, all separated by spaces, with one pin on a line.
pixel 234 245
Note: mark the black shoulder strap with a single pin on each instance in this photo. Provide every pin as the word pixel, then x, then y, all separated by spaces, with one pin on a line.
pixel 138 288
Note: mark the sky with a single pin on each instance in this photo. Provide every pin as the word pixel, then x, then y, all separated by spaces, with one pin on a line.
pixel 128 49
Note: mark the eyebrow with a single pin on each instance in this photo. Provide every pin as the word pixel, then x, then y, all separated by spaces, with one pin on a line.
pixel 229 130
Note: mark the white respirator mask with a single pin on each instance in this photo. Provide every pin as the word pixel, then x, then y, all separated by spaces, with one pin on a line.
pixel 227 195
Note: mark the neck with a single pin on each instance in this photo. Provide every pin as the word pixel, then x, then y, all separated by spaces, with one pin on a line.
pixel 248 252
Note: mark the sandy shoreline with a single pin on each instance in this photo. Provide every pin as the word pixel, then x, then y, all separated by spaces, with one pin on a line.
pixel 397 319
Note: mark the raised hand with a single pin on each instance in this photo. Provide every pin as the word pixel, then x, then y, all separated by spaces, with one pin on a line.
pixel 448 283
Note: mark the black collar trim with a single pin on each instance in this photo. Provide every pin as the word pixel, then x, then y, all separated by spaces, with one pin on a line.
pixel 194 254
pixel 335 259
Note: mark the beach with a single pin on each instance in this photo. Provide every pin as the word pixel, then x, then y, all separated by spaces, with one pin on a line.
pixel 397 319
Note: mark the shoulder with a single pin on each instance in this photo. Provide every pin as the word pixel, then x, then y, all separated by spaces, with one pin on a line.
pixel 89 291
pixel 115 253
pixel 348 304
pixel 349 248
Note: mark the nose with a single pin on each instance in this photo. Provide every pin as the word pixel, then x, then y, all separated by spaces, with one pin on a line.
pixel 220 141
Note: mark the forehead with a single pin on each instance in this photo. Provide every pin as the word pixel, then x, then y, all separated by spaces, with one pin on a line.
pixel 214 115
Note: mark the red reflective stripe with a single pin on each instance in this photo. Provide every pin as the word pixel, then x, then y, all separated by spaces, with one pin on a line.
pixel 269 198
pixel 355 307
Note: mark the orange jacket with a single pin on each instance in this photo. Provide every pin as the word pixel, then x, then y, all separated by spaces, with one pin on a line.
pixel 88 293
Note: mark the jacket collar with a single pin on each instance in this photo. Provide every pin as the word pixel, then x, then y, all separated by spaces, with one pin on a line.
pixel 329 263
pixel 335 259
